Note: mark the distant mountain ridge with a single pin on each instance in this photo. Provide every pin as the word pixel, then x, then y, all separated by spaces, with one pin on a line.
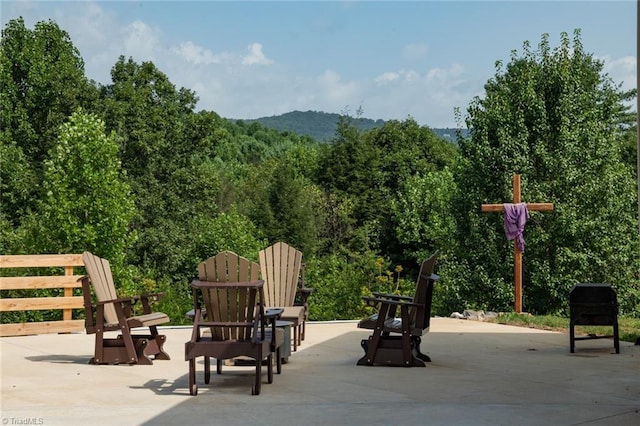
pixel 322 125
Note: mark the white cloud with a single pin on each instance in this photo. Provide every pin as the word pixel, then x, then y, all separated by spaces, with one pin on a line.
pixel 333 89
pixel 622 71
pixel 255 56
pixel 387 77
pixel 429 96
pixel 141 41
pixel 442 74
pixel 195 54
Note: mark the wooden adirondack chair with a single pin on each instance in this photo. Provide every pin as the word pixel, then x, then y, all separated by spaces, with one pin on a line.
pixel 110 313
pixel 280 266
pixel 230 319
pixel 396 341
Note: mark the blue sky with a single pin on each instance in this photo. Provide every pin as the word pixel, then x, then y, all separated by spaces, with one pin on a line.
pixel 393 59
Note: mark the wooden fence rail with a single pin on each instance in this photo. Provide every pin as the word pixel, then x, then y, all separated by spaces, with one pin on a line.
pixel 67 302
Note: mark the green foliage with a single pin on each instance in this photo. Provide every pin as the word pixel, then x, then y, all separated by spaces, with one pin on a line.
pixel 353 168
pixel 423 214
pixel 174 297
pixel 42 82
pixel 553 117
pixel 196 183
pixel 18 181
pixel 86 203
pixel 321 126
pixel 372 173
pixel 226 231
pixel 339 284
pixel 282 200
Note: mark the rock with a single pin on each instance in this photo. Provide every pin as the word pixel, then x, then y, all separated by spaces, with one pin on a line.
pixel 473 315
pixel 457 315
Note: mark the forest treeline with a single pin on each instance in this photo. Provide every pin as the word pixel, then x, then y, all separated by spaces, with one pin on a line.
pixel 133 172
pixel 322 126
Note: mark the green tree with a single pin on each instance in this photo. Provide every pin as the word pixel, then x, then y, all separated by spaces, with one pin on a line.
pixel 42 82
pixel 423 214
pixel 87 203
pixel 353 166
pixel 150 117
pixel 553 117
pixel 368 171
pixel 408 151
pixel 283 204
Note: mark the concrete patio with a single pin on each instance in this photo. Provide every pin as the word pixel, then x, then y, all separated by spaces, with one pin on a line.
pixel 481 374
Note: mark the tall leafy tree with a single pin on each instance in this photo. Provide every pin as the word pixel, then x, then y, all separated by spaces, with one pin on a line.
pixel 149 116
pixel 555 118
pixel 408 152
pixel 87 202
pixel 42 82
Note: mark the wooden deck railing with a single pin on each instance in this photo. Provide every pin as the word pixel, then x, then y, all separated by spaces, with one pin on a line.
pixel 67 302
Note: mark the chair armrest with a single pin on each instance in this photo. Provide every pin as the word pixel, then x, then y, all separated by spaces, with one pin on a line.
pixel 151 296
pixel 302 294
pixel 392 296
pixel 128 300
pixel 374 301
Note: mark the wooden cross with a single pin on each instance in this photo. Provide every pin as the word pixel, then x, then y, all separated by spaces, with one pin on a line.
pixel 517 254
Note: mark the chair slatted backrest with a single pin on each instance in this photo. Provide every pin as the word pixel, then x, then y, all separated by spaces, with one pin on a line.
pixel 420 317
pixel 234 304
pixel 99 272
pixel 280 266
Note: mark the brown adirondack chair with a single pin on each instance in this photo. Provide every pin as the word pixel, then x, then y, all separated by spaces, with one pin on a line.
pixel 110 313
pixel 280 266
pixel 230 319
pixel 396 341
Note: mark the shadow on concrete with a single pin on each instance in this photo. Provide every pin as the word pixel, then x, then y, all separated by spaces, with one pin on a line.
pixel 60 359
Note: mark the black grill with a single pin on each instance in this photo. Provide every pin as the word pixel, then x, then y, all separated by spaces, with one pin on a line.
pixel 593 304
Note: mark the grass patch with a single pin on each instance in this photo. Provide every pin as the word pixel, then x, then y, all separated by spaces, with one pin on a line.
pixel 629 328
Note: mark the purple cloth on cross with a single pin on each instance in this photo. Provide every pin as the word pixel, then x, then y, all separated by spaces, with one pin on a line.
pixel 515 217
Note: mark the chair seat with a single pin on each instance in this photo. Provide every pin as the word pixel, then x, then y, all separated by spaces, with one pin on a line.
pixel 148 320
pixel 391 325
pixel 206 334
